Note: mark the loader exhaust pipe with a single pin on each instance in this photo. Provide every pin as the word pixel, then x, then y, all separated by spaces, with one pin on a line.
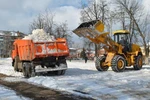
pixel 91 29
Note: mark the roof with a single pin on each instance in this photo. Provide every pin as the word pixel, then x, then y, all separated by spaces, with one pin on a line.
pixel 121 32
pixel 11 33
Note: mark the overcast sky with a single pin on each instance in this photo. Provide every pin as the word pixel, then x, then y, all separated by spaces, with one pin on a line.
pixel 18 14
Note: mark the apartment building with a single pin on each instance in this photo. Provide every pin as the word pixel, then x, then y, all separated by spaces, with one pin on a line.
pixel 6 40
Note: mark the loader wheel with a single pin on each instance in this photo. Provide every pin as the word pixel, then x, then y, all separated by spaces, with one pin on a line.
pixel 99 64
pixel 138 62
pixel 118 63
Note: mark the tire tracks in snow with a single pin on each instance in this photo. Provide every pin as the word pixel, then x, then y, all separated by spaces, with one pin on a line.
pixel 37 92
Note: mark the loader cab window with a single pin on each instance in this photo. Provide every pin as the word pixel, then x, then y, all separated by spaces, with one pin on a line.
pixel 125 43
pixel 119 37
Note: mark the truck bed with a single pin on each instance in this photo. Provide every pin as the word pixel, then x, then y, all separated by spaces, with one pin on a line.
pixel 28 50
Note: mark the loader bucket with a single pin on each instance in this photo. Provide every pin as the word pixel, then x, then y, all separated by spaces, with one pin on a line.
pixel 91 29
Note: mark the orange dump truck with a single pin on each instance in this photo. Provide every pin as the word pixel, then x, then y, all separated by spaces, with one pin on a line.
pixel 51 56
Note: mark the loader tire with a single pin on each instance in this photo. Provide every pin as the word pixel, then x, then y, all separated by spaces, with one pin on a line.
pixel 99 64
pixel 118 63
pixel 138 62
pixel 16 64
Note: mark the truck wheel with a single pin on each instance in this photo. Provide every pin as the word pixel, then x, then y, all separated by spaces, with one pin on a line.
pixel 118 63
pixel 63 72
pixel 32 70
pixel 138 62
pixel 99 64
pixel 28 70
pixel 13 63
pixel 60 72
pixel 24 70
pixel 62 64
pixel 16 64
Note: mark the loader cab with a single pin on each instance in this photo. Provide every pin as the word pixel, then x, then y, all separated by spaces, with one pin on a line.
pixel 123 35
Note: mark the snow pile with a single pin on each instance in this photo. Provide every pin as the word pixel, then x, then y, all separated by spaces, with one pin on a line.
pixel 7 68
pixel 39 35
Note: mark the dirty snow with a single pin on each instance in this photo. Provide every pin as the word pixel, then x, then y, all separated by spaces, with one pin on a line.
pixel 8 94
pixel 84 80
pixel 6 67
pixel 39 35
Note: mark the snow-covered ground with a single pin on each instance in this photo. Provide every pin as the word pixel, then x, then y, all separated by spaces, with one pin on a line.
pixel 84 80
pixel 7 94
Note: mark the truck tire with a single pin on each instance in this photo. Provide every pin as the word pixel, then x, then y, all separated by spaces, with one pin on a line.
pixel 63 72
pixel 99 64
pixel 60 72
pixel 28 70
pixel 118 63
pixel 16 64
pixel 138 62
pixel 61 63
pixel 24 70
pixel 32 70
pixel 13 62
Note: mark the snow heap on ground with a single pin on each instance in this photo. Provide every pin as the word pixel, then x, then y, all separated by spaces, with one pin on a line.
pixel 39 35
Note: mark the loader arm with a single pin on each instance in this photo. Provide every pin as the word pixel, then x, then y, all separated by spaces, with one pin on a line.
pixel 105 39
pixel 93 30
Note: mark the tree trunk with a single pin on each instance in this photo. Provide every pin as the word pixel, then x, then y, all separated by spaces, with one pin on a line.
pixel 96 53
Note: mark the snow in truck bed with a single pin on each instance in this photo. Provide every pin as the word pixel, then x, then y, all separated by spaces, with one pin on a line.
pixel 39 35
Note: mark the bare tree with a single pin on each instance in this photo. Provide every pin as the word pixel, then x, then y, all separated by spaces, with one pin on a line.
pixel 61 31
pixel 37 23
pixel 134 9
pixel 87 44
pixel 49 23
pixel 96 10
pixel 46 21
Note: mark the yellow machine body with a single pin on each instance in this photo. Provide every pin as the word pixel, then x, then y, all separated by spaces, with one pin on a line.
pixel 114 50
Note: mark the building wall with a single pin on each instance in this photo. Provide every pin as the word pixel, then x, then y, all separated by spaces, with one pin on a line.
pixel 6 42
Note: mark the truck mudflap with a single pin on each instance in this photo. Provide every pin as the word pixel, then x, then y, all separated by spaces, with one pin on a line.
pixel 56 68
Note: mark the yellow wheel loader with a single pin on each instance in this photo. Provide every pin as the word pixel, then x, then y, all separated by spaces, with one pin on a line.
pixel 118 55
